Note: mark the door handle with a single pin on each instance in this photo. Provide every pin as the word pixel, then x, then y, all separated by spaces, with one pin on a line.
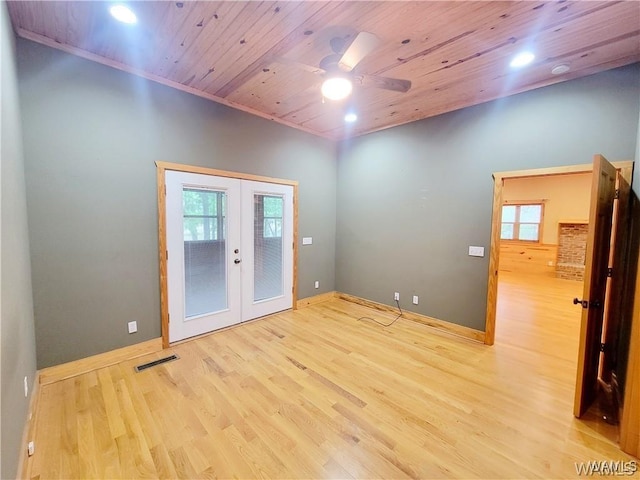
pixel 237 261
pixel 586 303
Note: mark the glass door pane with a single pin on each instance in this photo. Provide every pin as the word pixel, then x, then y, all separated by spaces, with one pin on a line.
pixel 204 281
pixel 205 272
pixel 267 246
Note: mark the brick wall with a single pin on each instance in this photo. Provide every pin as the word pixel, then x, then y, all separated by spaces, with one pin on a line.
pixel 572 248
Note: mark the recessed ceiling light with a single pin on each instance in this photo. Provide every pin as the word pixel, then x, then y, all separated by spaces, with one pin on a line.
pixel 560 69
pixel 522 59
pixel 336 88
pixel 123 14
pixel 350 117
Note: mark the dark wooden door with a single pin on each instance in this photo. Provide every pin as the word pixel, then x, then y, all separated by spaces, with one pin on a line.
pixel 614 305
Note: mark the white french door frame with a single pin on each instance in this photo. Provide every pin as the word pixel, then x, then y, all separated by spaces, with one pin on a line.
pixel 161 169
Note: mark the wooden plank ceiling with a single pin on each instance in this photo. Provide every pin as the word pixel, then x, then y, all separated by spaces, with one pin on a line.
pixel 455 54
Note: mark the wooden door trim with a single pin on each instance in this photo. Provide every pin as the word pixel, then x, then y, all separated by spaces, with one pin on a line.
pixel 178 167
pixel 494 261
pixel 626 171
pixel 564 170
pixel 630 422
pixel 161 169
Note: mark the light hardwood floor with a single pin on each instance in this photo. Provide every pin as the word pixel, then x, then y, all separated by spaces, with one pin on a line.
pixel 317 393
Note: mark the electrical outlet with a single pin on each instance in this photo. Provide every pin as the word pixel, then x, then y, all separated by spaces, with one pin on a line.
pixel 31 448
pixel 26 387
pixel 415 299
pixel 396 296
pixel 132 327
pixel 317 284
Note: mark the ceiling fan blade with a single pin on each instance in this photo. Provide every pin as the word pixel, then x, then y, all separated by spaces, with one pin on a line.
pixel 386 83
pixel 362 46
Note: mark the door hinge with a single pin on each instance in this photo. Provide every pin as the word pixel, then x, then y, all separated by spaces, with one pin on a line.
pixel 165 190
pixel 167 252
pixel 609 272
pixel 603 346
pixel 617 194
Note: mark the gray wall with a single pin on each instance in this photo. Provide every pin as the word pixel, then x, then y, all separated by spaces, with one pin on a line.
pixel 92 138
pixel 17 341
pixel 412 199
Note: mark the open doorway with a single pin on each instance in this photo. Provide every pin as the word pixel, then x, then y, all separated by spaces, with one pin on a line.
pixel 543 236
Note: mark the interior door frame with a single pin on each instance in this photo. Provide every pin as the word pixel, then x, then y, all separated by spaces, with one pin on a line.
pixel 626 171
pixel 161 169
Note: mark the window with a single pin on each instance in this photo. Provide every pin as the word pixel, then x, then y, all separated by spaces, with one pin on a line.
pixel 521 222
pixel 203 212
pixel 272 211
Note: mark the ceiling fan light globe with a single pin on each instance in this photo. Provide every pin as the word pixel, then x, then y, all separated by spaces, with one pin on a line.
pixel 336 88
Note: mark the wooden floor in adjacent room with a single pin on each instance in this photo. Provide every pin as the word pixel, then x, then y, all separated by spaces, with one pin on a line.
pixel 317 393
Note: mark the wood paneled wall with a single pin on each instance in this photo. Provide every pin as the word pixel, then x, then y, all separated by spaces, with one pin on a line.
pixel 528 258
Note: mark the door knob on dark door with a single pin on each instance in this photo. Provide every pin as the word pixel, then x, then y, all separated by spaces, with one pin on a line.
pixel 584 303
pixel 237 261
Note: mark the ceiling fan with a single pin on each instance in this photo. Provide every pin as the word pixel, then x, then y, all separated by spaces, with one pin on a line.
pixel 338 68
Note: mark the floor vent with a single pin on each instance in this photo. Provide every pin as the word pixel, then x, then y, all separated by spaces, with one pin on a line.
pixel 160 361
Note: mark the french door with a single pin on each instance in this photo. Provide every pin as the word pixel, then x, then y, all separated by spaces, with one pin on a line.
pixel 230 251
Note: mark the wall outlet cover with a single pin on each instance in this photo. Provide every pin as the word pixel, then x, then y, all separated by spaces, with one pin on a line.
pixel 396 296
pixel 132 327
pixel 415 299
pixel 307 240
pixel 317 284
pixel 31 448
